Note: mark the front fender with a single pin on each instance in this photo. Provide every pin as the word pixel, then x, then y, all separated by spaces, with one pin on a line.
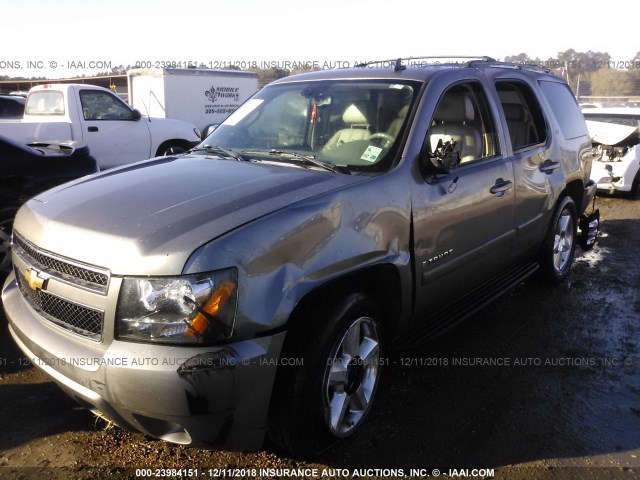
pixel 285 255
pixel 163 129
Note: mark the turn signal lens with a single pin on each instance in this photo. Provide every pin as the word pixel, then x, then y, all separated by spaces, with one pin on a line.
pixel 201 322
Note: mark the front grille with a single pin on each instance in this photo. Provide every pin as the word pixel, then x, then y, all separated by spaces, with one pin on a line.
pixel 84 276
pixel 85 321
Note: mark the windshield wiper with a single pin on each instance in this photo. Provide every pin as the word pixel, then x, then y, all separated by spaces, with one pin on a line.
pixel 307 158
pixel 220 151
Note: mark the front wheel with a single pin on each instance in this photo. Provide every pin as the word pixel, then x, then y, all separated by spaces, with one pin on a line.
pixel 328 396
pixel 6 227
pixel 560 243
pixel 171 149
pixel 351 376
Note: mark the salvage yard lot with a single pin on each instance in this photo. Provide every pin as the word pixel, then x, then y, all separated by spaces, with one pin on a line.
pixel 542 384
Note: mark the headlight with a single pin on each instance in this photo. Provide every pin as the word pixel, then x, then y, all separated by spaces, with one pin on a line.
pixel 186 309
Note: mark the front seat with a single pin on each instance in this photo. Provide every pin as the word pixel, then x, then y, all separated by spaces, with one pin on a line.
pixel 358 128
pixel 453 123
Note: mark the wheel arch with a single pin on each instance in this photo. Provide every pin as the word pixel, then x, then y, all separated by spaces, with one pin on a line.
pixel 575 190
pixel 382 282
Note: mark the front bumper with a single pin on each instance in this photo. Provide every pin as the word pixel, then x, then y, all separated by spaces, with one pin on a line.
pixel 215 397
pixel 619 179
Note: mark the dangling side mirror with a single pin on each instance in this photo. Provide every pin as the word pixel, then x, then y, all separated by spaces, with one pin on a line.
pixel 442 160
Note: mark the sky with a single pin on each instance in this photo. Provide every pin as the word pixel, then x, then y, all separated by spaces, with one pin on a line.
pixel 57 39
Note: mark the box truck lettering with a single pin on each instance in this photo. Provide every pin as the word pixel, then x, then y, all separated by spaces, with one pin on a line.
pixel 215 93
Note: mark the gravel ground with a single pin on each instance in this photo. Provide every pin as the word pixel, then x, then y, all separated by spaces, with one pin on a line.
pixel 561 399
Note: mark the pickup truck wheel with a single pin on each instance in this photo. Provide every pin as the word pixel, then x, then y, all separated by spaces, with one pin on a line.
pixel 560 244
pixel 171 149
pixel 329 395
pixel 6 227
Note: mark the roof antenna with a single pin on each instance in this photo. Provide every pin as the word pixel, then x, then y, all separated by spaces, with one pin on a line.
pixel 399 66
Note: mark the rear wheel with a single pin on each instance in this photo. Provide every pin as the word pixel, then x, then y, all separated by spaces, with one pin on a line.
pixel 329 395
pixel 560 243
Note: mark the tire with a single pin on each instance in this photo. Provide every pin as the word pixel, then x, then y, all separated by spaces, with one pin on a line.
pixel 6 227
pixel 329 395
pixel 635 186
pixel 559 245
pixel 171 149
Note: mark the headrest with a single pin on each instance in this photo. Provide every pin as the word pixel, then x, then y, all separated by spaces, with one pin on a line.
pixel 513 111
pixel 352 114
pixel 455 108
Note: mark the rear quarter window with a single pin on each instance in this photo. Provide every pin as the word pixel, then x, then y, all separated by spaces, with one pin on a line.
pixel 565 109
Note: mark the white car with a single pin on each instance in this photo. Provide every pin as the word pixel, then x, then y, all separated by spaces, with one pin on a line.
pixel 615 133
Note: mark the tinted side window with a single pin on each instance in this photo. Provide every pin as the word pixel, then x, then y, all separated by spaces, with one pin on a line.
pixel 522 111
pixel 10 108
pixel 98 105
pixel 565 109
pixel 463 120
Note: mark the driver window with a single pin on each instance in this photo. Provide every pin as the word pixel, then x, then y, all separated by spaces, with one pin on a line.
pixel 462 124
pixel 98 105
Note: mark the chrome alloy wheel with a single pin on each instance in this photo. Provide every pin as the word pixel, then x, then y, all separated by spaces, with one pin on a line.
pixel 351 377
pixel 563 240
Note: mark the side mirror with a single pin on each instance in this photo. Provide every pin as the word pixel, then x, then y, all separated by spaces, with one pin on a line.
pixel 209 129
pixel 442 160
pixel 136 115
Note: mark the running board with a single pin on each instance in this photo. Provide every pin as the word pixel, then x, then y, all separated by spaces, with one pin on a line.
pixel 451 315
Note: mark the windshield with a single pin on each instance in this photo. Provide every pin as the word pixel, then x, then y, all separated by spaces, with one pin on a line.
pixel 355 124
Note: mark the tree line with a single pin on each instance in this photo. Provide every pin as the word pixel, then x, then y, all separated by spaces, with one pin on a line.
pixel 591 73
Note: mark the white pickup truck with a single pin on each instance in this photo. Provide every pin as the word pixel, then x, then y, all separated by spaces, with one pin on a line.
pixel 115 133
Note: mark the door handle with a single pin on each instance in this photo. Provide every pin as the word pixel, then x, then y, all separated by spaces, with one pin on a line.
pixel 92 129
pixel 500 187
pixel 548 166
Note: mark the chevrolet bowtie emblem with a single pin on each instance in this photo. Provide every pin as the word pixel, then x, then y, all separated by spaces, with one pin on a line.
pixel 34 281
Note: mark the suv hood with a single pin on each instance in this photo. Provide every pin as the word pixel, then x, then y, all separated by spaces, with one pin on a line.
pixel 160 211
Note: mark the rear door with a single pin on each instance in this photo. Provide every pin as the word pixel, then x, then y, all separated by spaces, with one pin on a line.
pixel 535 169
pixel 109 128
pixel 463 221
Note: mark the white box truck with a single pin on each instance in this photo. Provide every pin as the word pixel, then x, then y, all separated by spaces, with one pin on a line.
pixel 199 96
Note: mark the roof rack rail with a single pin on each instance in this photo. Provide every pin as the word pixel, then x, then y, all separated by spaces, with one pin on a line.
pixel 397 62
pixel 454 60
pixel 522 66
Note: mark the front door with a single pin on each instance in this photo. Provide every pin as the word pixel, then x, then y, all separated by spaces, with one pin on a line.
pixel 463 221
pixel 109 128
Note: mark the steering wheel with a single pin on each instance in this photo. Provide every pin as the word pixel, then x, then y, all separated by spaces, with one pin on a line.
pixel 385 140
